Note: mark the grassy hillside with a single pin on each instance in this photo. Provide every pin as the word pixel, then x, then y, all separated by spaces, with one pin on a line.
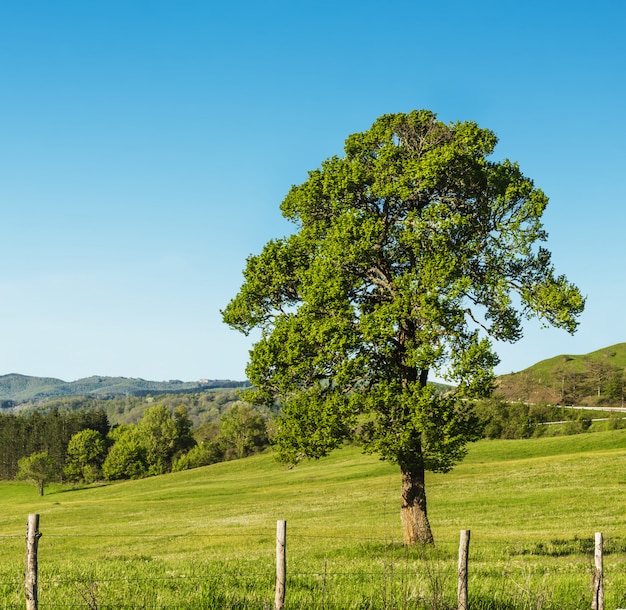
pixel 590 379
pixel 326 495
pixel 526 503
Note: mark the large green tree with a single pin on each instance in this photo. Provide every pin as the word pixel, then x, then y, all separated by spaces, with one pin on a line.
pixel 411 253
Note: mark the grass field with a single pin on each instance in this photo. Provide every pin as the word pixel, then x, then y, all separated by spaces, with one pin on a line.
pixel 205 538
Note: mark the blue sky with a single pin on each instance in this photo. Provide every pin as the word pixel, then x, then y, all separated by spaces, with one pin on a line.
pixel 145 148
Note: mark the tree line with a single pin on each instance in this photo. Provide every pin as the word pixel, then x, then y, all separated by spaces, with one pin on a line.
pixel 23 435
pixel 81 447
pixel 202 407
pixel 500 418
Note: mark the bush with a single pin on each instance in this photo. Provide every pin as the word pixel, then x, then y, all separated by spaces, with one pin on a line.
pixel 202 454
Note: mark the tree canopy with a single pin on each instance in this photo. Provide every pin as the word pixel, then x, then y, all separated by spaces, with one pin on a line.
pixel 149 447
pixel 86 452
pixel 410 254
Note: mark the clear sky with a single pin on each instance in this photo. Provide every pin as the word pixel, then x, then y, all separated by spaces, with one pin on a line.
pixel 146 145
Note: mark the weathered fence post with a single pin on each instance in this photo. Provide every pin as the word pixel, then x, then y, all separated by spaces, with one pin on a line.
pixel 281 564
pixel 597 584
pixel 32 541
pixel 463 560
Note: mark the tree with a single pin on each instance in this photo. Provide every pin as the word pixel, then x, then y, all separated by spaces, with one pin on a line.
pixel 86 453
pixel 243 429
pixel 157 432
pixel 411 253
pixel 184 438
pixel 127 458
pixel 38 468
pixel 572 386
pixel 599 374
pixel 615 386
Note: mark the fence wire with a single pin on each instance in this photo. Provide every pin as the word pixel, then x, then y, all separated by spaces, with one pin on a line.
pixel 382 574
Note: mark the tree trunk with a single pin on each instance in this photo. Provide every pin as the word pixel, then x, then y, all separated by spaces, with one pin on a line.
pixel 415 525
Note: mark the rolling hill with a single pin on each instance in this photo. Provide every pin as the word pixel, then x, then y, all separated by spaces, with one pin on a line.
pixel 16 389
pixel 593 379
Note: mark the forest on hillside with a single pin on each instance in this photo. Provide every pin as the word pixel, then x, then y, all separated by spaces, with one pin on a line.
pixel 106 437
pixel 81 440
pixel 202 407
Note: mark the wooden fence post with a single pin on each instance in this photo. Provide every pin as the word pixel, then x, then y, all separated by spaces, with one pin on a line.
pixel 281 564
pixel 463 560
pixel 32 541
pixel 597 584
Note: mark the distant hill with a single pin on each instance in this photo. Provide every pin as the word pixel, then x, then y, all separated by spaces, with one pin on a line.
pixel 16 389
pixel 594 379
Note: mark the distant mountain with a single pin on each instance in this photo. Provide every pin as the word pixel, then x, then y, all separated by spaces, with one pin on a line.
pixel 594 379
pixel 597 378
pixel 16 389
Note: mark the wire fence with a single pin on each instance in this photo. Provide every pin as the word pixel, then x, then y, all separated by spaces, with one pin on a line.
pixel 239 571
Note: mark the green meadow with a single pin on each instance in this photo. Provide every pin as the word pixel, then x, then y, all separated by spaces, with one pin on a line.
pixel 205 538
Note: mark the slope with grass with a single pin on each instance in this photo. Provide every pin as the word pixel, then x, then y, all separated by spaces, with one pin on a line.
pixel 354 494
pixel 205 536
